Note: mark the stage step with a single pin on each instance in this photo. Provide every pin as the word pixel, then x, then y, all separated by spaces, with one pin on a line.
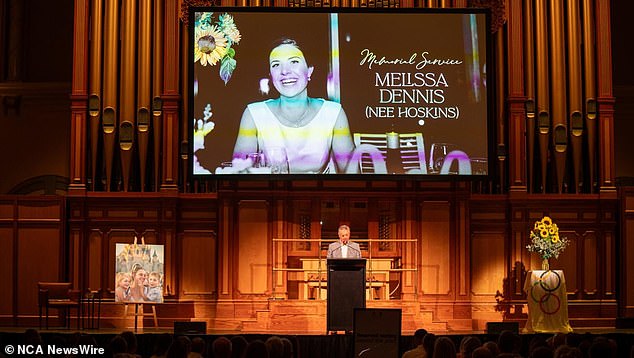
pixel 580 323
pixel 460 325
pixel 310 316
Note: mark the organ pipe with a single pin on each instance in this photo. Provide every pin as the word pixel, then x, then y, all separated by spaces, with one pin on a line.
pixel 558 84
pixel 543 100
pixel 144 82
pixel 575 107
pixel 94 82
pixel 109 116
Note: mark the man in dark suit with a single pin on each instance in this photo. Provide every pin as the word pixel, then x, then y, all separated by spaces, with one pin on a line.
pixel 344 248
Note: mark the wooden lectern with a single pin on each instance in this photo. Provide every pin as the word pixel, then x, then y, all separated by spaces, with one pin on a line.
pixel 346 291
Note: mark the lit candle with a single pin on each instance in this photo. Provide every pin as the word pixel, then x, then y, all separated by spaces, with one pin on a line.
pixel 392 140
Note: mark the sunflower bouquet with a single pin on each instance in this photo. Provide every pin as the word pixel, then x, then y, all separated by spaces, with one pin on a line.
pixel 545 239
pixel 213 41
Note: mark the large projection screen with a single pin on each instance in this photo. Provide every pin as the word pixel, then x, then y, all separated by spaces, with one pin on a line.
pixel 339 94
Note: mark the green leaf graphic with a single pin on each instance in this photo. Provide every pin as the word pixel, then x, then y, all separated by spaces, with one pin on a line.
pixel 227 66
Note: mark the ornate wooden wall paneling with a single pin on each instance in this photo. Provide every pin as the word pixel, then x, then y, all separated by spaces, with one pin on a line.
pixel 278 285
pixel 171 97
pixel 226 247
pixel 40 230
pixel 436 278
pixel 15 48
pixel 95 97
pixel 180 224
pixel 625 259
pixel 489 262
pixel 558 90
pixel 197 236
pixel 110 71
pixel 127 95
pixel 411 258
pixel 516 99
pixel 78 98
pixel 184 124
pixel 589 71
pixel 575 107
pixel 325 189
pixel 500 110
pixel 144 83
pixel 463 253
pixel 529 91
pixel 173 256
pixel 516 252
pixel 490 254
pixel 609 228
pixel 589 262
pixel 591 226
pixel 8 245
pixel 3 35
pixel 95 258
pixel 605 99
pixel 198 275
pixel 543 93
pixel 492 250
pixel 157 89
pixel 32 238
pixel 76 260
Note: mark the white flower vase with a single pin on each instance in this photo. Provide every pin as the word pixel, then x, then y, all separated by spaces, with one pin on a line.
pixel 545 265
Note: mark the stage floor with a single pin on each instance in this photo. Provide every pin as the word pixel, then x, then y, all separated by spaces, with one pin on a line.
pixel 170 330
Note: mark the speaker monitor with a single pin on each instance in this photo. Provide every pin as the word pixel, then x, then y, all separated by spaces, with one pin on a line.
pixel 624 322
pixel 498 327
pixel 185 328
pixel 377 332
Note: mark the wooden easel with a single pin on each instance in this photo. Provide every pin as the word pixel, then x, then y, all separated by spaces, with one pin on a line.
pixel 138 312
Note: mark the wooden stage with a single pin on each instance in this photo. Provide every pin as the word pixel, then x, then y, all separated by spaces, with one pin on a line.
pixel 303 317
pixel 264 316
pixel 302 321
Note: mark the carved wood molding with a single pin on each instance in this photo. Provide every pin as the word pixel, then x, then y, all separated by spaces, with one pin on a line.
pixel 187 4
pixel 498 12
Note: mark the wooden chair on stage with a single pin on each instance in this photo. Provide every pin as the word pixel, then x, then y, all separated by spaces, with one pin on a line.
pixel 60 296
pixel 372 148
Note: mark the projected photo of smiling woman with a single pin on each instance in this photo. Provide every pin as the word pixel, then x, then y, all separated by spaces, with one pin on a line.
pixel 293 133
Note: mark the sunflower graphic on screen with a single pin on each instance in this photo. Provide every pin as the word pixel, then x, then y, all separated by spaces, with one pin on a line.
pixel 214 40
